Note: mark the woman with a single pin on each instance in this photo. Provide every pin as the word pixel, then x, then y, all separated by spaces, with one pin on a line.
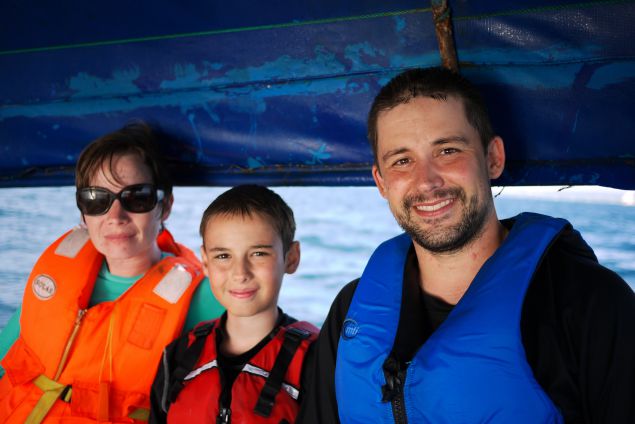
pixel 104 299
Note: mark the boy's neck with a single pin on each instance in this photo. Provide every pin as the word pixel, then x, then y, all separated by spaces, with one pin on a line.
pixel 243 333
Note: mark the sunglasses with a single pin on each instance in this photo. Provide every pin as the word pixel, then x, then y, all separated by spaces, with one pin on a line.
pixel 138 198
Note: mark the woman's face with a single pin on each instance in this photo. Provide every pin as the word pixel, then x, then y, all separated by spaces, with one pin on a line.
pixel 126 239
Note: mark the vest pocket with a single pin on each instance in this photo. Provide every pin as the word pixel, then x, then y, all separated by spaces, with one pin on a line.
pixel 21 364
pixel 147 326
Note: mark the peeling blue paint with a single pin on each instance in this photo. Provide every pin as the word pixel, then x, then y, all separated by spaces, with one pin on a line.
pixel 56 127
pixel 213 66
pixel 400 23
pixel 324 62
pixel 185 75
pixel 199 145
pixel 318 155
pixel 355 54
pixel 253 163
pixel 213 116
pixel 121 83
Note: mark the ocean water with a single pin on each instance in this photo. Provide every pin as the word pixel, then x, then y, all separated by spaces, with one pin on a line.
pixel 338 229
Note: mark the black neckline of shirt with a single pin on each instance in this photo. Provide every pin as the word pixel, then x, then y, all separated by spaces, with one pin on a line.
pixel 240 360
pixel 421 313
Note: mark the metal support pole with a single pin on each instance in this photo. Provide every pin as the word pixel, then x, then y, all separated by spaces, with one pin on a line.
pixel 443 29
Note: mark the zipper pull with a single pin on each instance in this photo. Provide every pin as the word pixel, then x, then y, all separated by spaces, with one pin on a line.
pixel 224 416
pixel 80 315
pixel 395 377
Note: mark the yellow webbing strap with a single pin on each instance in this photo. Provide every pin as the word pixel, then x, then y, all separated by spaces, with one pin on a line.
pixel 140 414
pixel 52 391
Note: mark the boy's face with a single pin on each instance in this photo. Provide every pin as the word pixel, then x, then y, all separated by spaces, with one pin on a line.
pixel 245 263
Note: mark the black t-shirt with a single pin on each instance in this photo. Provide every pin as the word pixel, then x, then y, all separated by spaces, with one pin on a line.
pixel 577 325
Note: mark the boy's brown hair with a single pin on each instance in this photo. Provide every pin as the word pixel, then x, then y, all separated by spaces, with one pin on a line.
pixel 250 199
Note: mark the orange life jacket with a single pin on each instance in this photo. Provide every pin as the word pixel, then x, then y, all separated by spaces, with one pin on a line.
pixel 260 393
pixel 77 364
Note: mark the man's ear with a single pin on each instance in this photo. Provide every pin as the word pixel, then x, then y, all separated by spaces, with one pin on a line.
pixel 292 258
pixel 204 260
pixel 167 207
pixel 379 181
pixel 495 157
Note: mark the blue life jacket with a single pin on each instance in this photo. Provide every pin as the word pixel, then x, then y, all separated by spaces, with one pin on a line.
pixel 473 368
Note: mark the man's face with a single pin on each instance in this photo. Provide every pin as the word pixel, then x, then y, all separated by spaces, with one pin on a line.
pixel 434 173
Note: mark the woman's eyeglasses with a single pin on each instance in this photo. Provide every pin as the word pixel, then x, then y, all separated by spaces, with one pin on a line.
pixel 138 198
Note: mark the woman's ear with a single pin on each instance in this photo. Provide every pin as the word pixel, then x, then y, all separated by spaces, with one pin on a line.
pixel 167 207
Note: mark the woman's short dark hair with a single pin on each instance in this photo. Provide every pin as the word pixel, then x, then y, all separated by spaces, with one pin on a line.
pixel 136 138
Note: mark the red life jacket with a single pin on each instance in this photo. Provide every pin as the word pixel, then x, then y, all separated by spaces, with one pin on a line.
pixel 266 390
pixel 98 363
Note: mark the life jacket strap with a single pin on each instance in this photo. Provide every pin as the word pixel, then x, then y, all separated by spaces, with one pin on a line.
pixel 140 414
pixel 52 391
pixel 189 355
pixel 293 337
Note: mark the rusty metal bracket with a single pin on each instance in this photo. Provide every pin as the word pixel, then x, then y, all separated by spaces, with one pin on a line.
pixel 445 37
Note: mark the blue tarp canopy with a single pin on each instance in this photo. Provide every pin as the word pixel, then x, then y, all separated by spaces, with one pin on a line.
pixel 277 92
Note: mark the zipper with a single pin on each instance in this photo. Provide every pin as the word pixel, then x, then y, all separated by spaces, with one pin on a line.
pixel 392 391
pixel 224 416
pixel 225 397
pixel 69 343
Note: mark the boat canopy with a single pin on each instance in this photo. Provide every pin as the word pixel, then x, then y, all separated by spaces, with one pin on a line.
pixel 277 92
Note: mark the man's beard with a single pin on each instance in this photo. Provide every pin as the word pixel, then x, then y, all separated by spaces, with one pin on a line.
pixel 440 239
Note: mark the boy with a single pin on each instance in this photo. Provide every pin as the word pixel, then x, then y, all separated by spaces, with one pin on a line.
pixel 246 366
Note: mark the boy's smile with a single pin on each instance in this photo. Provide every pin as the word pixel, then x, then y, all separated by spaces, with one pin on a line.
pixel 244 260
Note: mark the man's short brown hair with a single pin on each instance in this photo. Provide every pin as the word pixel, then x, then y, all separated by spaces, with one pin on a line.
pixel 438 84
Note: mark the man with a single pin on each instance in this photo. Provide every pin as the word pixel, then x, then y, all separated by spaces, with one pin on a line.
pixel 466 318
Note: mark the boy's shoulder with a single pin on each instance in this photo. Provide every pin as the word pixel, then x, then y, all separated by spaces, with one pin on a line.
pixel 303 329
pixel 289 322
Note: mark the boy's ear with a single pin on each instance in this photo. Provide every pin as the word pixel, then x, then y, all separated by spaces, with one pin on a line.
pixel 292 258
pixel 204 260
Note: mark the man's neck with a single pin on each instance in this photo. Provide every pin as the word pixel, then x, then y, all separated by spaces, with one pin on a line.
pixel 243 333
pixel 448 275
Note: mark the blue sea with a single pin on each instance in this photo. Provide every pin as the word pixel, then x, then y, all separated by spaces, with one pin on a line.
pixel 338 229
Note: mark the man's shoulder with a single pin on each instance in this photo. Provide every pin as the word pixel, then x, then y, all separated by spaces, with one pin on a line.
pixel 571 274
